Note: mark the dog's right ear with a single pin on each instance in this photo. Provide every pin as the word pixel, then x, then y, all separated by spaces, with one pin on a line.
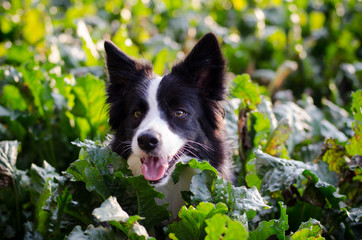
pixel 122 68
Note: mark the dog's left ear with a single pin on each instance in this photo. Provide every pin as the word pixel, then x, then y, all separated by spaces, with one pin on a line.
pixel 204 66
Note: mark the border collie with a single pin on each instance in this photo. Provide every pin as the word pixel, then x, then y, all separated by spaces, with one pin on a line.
pixel 159 121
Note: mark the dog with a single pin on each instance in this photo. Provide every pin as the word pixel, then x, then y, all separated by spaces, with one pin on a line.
pixel 159 121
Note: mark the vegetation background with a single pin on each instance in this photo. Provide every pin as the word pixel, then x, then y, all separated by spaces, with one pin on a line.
pixel 295 71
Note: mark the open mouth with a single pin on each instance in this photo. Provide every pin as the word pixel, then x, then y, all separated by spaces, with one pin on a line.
pixel 155 169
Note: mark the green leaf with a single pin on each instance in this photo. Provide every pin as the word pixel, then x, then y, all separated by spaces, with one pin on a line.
pixel 267 229
pixel 278 139
pixel 11 96
pixel 353 146
pixel 111 211
pixel 298 120
pixel 106 173
pixel 193 163
pixel 34 27
pixel 137 197
pixel 192 221
pixel 91 233
pixel 94 167
pixel 41 188
pixel 262 128
pixel 8 155
pixel 221 226
pixel 247 91
pixel 334 155
pixel 312 229
pixel 355 214
pixel 239 200
pixel 89 104
pixel 328 190
pixel 160 62
pixel 277 174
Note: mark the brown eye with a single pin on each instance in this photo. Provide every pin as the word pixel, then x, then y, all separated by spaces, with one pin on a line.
pixel 180 113
pixel 137 114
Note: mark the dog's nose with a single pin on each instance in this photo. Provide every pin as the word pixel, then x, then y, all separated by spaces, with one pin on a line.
pixel 148 141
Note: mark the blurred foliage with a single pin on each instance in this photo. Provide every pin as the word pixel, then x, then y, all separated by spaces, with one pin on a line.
pixel 296 72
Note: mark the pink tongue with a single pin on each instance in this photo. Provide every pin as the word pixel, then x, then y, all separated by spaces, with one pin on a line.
pixel 153 168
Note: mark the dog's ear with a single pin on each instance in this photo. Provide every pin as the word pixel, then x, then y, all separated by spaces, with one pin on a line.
pixel 122 68
pixel 205 67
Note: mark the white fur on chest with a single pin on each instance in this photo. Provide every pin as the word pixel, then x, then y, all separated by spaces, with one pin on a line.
pixel 171 191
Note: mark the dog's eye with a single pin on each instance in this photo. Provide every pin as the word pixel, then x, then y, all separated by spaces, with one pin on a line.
pixel 180 113
pixel 137 114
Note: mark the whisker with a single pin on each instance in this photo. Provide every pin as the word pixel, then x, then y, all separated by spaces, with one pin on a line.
pixel 206 147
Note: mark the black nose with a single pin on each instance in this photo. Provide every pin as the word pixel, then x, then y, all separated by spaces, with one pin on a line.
pixel 148 141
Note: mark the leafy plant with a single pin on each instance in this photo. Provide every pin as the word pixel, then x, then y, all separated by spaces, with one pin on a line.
pixel 293 116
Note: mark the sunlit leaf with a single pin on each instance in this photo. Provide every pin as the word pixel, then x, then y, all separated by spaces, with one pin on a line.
pixel 192 224
pixel 311 229
pixel 160 62
pixel 278 138
pixel 276 227
pixel 112 212
pixel 91 233
pixel 334 155
pixel 247 91
pixel 353 146
pixel 221 226
pixel 34 27
pixel 316 20
pixel 205 187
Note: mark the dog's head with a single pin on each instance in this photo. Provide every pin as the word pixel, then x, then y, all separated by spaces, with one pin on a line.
pixel 160 119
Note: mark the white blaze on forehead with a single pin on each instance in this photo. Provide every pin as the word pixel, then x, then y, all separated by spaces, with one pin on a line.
pixel 170 143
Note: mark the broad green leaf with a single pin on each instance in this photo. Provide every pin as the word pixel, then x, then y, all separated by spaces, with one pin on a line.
pixel 137 197
pixel 354 144
pixel 91 233
pixel 328 190
pixel 111 211
pixel 34 27
pixel 104 172
pixel 192 221
pixel 239 200
pixel 355 214
pixel 278 138
pixel 276 227
pixel 247 91
pixel 262 129
pixel 221 226
pixel 334 155
pixel 89 103
pixel 316 20
pixel 42 187
pixel 328 130
pixel 309 230
pixel 277 174
pixel 336 114
pixel 240 5
pixel 8 155
pixel 299 121
pixel 90 49
pixel 11 96
pixel 193 163
pixel 160 62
